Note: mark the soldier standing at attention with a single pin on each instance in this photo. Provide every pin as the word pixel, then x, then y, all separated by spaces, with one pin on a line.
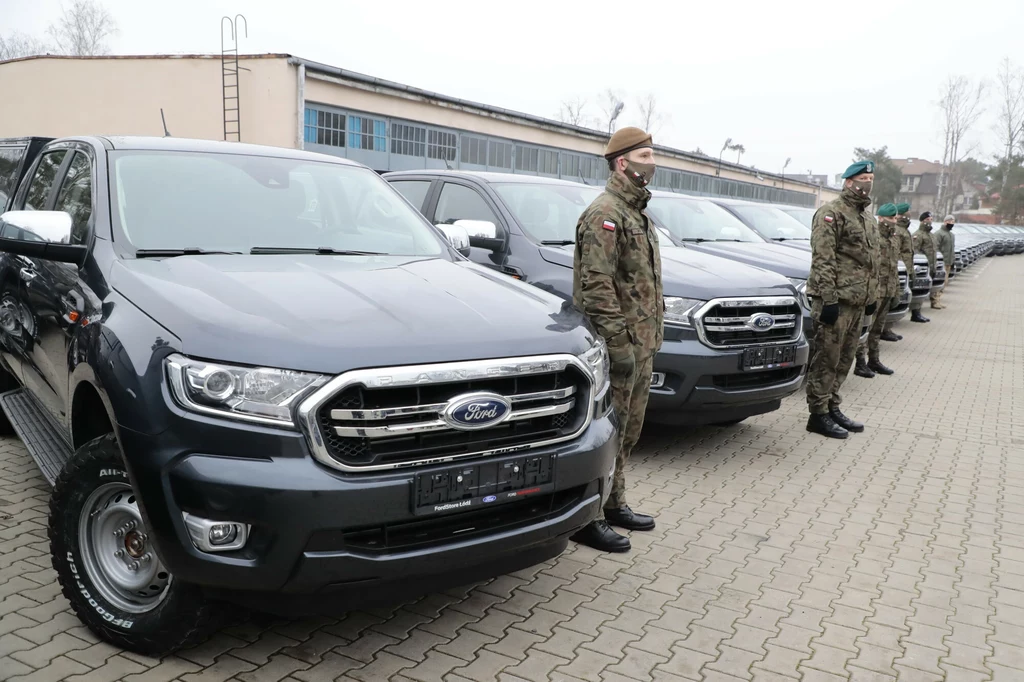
pixel 925 243
pixel 617 285
pixel 842 290
pixel 887 254
pixel 905 253
pixel 945 243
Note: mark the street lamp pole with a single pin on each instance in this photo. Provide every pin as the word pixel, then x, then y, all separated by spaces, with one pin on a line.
pixel 784 166
pixel 728 141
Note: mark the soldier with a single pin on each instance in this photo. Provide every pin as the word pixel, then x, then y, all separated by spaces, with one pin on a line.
pixel 886 256
pixel 842 290
pixel 905 252
pixel 617 284
pixel 924 243
pixel 945 243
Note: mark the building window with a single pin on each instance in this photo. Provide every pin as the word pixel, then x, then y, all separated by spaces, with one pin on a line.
pixel 499 154
pixel 527 158
pixel 441 145
pixel 548 162
pixel 408 140
pixel 367 133
pixel 474 151
pixel 909 183
pixel 324 127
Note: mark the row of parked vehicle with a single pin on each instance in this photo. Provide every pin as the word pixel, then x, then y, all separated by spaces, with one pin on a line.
pixel 260 376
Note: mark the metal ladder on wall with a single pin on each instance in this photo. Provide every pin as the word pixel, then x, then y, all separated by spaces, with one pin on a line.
pixel 229 71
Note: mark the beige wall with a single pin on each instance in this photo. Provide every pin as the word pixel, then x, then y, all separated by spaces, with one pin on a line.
pixel 123 96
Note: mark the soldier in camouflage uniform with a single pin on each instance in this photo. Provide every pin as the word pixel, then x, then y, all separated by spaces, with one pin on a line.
pixel 888 292
pixel 842 290
pixel 905 253
pixel 924 243
pixel 945 243
pixel 617 284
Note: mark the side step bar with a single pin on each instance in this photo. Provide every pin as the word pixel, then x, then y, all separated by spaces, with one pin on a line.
pixel 43 442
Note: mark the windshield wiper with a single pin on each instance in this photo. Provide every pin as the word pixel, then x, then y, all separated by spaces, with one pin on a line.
pixel 695 240
pixel 729 240
pixel 790 239
pixel 319 251
pixel 557 242
pixel 187 251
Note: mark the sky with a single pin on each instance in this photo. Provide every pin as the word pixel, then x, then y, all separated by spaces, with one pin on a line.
pixel 802 79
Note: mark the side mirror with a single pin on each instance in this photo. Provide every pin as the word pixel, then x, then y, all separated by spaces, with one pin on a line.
pixel 483 234
pixel 457 236
pixel 40 234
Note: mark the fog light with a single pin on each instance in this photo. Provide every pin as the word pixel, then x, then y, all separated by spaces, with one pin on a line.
pixel 658 380
pixel 215 536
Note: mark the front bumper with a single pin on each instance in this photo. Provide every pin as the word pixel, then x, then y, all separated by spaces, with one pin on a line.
pixel 306 518
pixel 898 312
pixel 707 386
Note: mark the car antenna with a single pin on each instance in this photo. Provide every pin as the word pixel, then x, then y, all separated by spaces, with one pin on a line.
pixel 580 176
pixel 164 121
pixel 447 165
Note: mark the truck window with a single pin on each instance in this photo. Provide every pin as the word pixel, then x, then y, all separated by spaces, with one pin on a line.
pixel 413 190
pixel 10 158
pixel 458 202
pixel 42 181
pixel 75 196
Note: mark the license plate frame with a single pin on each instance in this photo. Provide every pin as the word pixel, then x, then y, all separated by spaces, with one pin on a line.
pixel 768 357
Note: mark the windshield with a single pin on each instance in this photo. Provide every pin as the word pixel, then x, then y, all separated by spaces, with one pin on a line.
pixel 697 219
pixel 232 202
pixel 804 215
pixel 771 222
pixel 547 212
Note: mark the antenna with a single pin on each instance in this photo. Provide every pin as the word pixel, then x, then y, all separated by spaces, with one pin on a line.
pixel 582 179
pixel 164 121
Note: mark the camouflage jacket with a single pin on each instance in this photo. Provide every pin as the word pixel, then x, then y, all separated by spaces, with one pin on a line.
pixel 945 243
pixel 843 251
pixel 617 268
pixel 906 247
pixel 888 254
pixel 925 243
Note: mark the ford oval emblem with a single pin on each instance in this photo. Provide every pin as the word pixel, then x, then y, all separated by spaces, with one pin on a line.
pixel 761 322
pixel 476 411
pixel 490 498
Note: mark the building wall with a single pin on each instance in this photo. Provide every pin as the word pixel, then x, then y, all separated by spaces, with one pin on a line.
pixel 123 96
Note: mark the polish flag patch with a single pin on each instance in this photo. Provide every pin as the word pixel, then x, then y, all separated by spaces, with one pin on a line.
pixel 608 225
pixel 828 219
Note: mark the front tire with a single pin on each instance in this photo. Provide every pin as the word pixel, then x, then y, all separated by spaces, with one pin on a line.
pixel 106 566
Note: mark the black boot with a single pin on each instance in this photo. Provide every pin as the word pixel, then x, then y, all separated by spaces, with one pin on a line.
pixel 876 366
pixel 599 535
pixel 916 316
pixel 889 335
pixel 822 424
pixel 862 369
pixel 844 421
pixel 625 517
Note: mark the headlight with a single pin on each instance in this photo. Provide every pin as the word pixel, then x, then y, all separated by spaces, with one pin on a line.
pixel 255 394
pixel 801 291
pixel 679 311
pixel 600 367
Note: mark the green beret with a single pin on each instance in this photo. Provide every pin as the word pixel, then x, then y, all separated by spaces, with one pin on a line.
pixel 625 141
pixel 901 209
pixel 887 210
pixel 858 168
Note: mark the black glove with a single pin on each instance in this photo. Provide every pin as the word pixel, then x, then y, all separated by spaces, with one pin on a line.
pixel 870 310
pixel 829 314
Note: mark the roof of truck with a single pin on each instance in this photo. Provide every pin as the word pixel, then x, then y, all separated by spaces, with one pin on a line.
pixel 184 144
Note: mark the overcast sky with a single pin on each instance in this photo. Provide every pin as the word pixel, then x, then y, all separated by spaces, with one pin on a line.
pixel 807 79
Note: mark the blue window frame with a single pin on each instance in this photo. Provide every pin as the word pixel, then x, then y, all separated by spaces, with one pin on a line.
pixel 367 133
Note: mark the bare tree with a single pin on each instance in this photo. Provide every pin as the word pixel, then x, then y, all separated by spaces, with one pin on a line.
pixel 611 107
pixel 961 106
pixel 651 116
pixel 83 29
pixel 18 45
pixel 1010 125
pixel 739 149
pixel 572 111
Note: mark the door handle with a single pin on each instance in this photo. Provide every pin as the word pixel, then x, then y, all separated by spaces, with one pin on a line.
pixel 27 274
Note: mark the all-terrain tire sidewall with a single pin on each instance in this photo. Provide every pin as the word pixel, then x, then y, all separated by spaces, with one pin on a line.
pixel 178 619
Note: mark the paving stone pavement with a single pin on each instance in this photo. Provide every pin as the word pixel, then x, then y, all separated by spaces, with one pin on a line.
pixel 779 556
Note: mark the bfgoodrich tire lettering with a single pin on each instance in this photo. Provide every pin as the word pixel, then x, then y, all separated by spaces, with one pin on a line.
pixel 150 619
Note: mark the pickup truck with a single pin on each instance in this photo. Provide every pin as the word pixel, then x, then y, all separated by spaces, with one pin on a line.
pixel 258 375
pixel 716 365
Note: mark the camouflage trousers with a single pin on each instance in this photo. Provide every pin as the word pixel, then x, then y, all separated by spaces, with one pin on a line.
pixel 835 348
pixel 875 332
pixel 629 398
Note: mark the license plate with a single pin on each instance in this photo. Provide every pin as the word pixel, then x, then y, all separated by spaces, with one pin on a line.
pixel 769 357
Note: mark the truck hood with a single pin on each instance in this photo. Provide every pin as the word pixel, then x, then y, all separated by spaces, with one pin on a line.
pixel 690 274
pixel 802 244
pixel 786 261
pixel 332 314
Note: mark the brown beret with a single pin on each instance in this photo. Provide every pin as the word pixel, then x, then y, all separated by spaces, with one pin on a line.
pixel 626 140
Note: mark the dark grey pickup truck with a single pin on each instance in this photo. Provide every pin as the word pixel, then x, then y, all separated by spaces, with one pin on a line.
pixel 258 375
pixel 733 346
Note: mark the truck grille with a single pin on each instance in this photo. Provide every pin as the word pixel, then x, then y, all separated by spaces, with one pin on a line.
pixel 394 418
pixel 749 380
pixel 903 281
pixel 731 322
